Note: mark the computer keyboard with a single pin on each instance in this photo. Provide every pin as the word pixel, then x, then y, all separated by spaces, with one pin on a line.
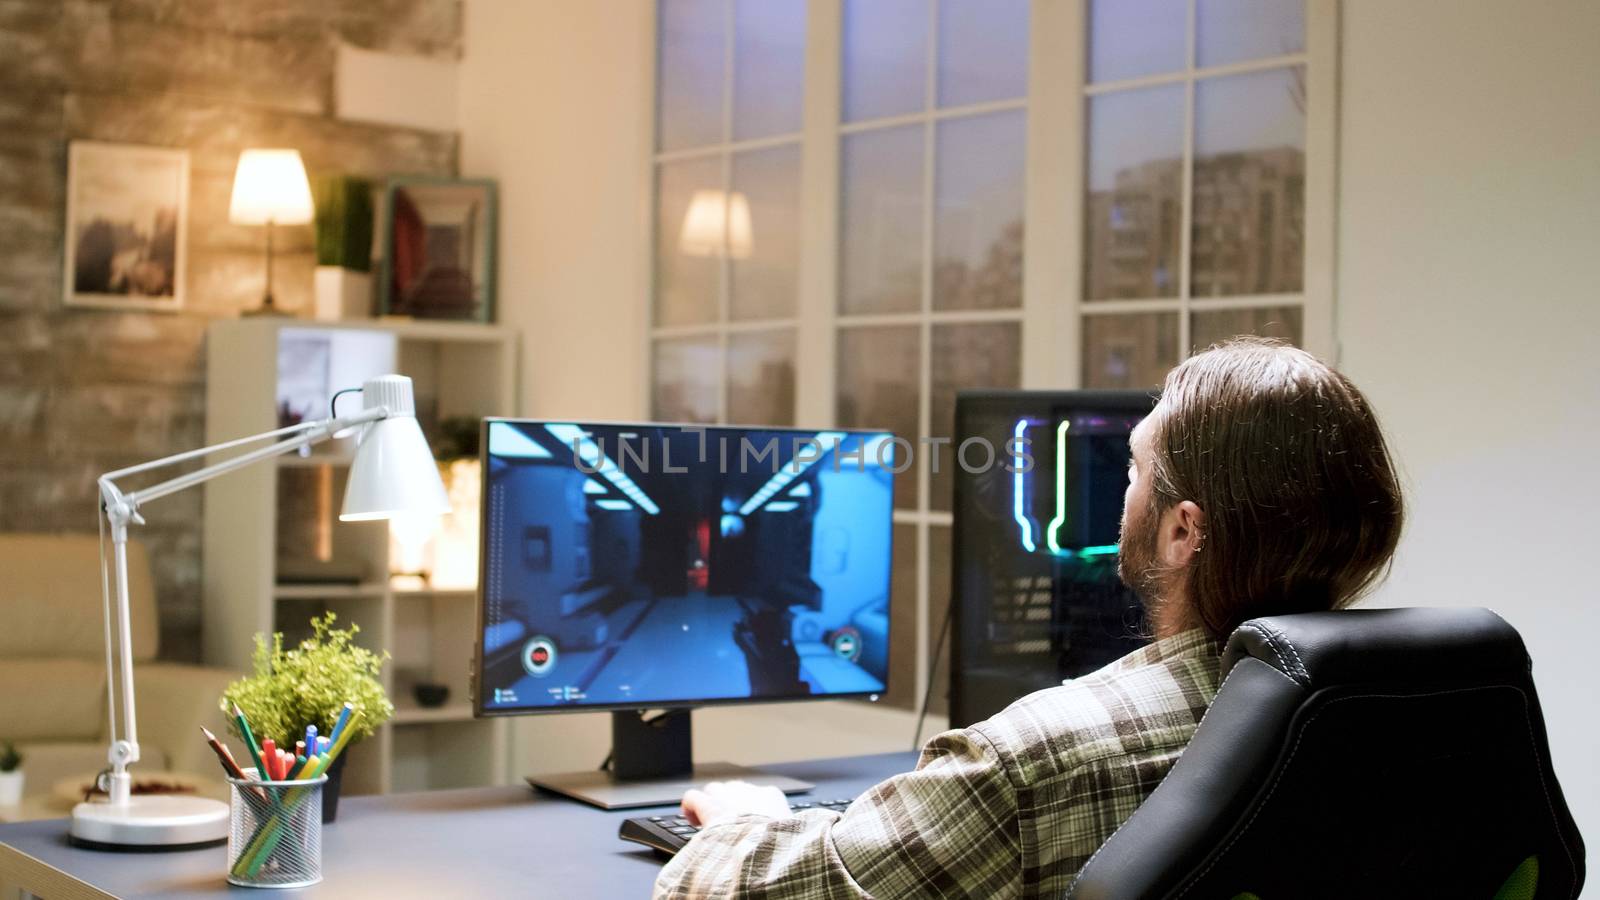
pixel 668 834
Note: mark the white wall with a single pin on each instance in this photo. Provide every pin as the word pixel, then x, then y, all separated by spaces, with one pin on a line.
pixel 1469 260
pixel 1469 310
pixel 556 104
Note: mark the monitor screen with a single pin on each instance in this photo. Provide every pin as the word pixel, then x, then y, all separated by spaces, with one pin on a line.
pixel 634 566
pixel 1037 598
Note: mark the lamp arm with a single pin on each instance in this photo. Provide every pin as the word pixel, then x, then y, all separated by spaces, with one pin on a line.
pixel 121 509
pixel 226 445
pixel 305 435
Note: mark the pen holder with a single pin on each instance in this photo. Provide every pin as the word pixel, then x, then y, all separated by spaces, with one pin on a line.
pixel 275 833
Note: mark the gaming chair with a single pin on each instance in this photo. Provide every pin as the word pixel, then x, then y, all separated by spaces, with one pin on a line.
pixel 1363 753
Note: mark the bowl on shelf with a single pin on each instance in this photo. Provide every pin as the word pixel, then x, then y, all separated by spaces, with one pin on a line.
pixel 430 695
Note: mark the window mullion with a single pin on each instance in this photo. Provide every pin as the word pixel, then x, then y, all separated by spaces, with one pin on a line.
pixel 1055 180
pixel 1319 329
pixel 725 259
pixel 816 344
pixel 1186 204
pixel 930 102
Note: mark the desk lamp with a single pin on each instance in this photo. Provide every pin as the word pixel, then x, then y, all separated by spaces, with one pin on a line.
pixel 393 474
pixel 270 188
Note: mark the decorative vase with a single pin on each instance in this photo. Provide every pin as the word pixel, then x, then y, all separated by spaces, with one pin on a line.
pixel 11 787
pixel 341 294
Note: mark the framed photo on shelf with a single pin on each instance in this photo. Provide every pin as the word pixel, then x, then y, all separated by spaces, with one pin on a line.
pixel 439 238
pixel 127 217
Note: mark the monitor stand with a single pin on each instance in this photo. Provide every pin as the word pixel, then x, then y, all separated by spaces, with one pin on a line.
pixel 652 765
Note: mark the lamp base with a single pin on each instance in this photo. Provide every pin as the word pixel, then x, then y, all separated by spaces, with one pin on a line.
pixel 162 821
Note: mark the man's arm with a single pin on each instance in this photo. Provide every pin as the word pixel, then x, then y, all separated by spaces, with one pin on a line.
pixel 949 828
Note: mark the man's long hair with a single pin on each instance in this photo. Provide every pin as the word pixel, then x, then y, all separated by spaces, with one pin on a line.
pixel 1285 458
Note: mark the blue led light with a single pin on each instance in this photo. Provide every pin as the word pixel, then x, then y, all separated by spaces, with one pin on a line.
pixel 1018 489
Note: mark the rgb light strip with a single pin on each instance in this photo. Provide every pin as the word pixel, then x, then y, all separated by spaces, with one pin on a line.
pixel 1052 535
pixel 1018 488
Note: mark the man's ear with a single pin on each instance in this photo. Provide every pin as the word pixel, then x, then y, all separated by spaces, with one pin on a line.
pixel 1182 534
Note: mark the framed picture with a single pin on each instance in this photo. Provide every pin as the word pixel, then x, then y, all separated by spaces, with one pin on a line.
pixel 127 217
pixel 439 239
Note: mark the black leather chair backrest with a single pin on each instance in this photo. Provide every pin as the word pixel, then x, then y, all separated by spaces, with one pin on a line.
pixel 1363 753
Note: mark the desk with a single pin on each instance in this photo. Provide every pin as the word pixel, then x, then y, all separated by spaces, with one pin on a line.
pixel 479 842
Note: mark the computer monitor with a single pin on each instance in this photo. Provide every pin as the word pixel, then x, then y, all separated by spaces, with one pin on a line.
pixel 642 566
pixel 1035 593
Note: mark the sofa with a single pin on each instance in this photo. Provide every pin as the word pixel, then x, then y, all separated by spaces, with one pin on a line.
pixel 53 687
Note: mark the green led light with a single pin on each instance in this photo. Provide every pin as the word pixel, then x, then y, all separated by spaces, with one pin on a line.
pixel 1061 489
pixel 1052 534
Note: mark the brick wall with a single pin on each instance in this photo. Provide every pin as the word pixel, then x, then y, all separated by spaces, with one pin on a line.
pixel 85 391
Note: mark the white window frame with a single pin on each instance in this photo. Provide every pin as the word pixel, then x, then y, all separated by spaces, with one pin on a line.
pixel 1055 180
pixel 723 327
pixel 1053 263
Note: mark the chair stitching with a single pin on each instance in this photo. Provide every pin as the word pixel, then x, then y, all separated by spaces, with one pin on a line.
pixel 1277 652
pixel 1295 653
pixel 1527 717
pixel 1533 745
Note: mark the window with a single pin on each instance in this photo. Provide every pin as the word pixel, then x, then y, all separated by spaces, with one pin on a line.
pixel 1194 205
pixel 931 226
pixel 727 175
pixel 932 146
pixel 865 206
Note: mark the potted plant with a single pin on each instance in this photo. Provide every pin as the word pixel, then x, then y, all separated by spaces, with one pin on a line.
pixel 309 685
pixel 10 775
pixel 343 223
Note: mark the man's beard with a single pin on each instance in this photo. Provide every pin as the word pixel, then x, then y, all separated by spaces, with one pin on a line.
pixel 1136 558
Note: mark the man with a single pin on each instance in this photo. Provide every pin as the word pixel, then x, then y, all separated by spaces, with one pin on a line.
pixel 1260 485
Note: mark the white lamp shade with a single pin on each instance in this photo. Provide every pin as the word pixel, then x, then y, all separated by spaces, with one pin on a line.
pixel 717 224
pixel 394 473
pixel 270 186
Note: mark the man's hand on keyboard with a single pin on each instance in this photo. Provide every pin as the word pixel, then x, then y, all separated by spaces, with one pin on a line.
pixel 722 800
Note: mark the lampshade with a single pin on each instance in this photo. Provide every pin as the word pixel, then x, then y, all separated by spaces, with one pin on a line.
pixel 394 473
pixel 717 223
pixel 270 186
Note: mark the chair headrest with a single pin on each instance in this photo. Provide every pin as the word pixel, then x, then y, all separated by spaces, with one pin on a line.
pixel 1409 645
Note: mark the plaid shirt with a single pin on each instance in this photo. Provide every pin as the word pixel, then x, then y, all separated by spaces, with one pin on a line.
pixel 1011 807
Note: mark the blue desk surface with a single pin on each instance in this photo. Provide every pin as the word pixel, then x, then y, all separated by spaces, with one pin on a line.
pixel 479 842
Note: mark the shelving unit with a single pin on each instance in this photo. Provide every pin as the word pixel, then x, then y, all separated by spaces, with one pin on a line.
pixel 264 513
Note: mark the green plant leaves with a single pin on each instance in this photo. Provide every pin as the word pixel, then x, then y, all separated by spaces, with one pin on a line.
pixel 310 684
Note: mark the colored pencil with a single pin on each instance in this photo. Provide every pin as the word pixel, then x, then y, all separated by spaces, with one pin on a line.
pixel 228 764
pixel 334 751
pixel 260 848
pixel 250 742
pixel 344 719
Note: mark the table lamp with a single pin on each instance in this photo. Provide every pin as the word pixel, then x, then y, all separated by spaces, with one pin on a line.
pixel 270 188
pixel 393 474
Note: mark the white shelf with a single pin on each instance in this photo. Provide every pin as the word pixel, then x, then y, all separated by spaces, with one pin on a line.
pixel 326 591
pixel 422 715
pixel 459 369
pixel 403 328
pixel 462 594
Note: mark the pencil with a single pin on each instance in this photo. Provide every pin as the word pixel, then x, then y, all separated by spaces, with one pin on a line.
pixel 250 743
pixel 229 765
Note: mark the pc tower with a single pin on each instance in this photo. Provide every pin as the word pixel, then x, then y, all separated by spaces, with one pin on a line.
pixel 1035 595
